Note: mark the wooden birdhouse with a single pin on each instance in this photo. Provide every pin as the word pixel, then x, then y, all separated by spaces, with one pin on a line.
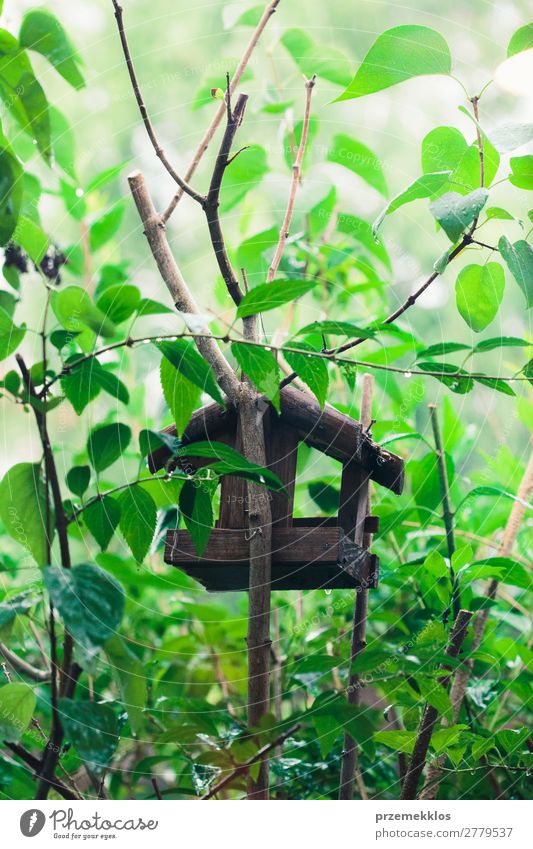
pixel 311 553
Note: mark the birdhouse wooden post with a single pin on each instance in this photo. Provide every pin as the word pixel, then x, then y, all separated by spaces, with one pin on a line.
pixel 310 553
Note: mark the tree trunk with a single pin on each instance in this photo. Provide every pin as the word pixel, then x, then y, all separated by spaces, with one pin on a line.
pixel 251 411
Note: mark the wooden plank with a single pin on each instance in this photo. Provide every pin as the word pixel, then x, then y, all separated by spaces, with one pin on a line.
pixel 281 442
pixel 302 559
pixel 353 502
pixel 322 576
pixel 231 546
pixel 233 494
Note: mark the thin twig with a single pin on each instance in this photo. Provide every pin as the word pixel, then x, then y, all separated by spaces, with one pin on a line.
pixel 211 205
pixel 244 767
pixel 331 357
pixel 221 112
pixel 21 665
pixel 157 791
pixel 296 174
pixel 431 714
pixel 160 153
pixel 447 514
pixel 462 675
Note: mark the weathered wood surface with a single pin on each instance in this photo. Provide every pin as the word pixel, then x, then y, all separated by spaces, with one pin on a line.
pixel 302 558
pixel 328 430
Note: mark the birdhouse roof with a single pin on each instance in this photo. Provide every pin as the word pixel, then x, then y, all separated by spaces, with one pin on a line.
pixel 326 429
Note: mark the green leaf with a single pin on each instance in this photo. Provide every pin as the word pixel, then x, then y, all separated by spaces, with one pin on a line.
pixel 78 478
pixel 271 295
pixel 129 672
pixel 522 172
pixel 63 144
pixel 325 496
pixel 107 443
pixel 243 175
pixel 521 40
pixel 496 212
pixel 186 359
pixel 13 606
pixel 10 335
pixel 109 382
pixel 92 729
pixel 79 386
pixel 500 342
pixel 508 570
pixel 319 215
pixel 358 158
pixel 400 741
pixel 11 192
pixel 337 328
pixel 251 253
pixel 72 306
pixel 435 565
pixel 519 260
pixel 440 349
pixel 324 61
pixel 22 93
pixel 361 231
pixel 497 384
pixel 23 509
pixel 456 212
pixel 90 602
pixel 41 31
pixel 105 177
pixel 435 694
pixel 232 461
pixel 104 228
pixel 138 515
pixel 31 238
pixel 425 480
pixel 479 292
pixel 397 55
pixel 445 148
pixel 312 370
pixel 150 441
pixel 197 511
pixel 455 378
pixel 17 705
pixel 424 187
pixel 147 306
pixel 119 302
pixel 181 395
pixel 101 519
pixel 444 738
pixel 261 366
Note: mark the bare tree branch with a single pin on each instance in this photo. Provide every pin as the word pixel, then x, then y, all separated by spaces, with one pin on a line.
pixel 296 174
pixel 21 665
pixel 160 153
pixel 154 230
pixel 460 681
pixel 211 205
pixel 243 768
pixel 431 714
pixel 219 115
